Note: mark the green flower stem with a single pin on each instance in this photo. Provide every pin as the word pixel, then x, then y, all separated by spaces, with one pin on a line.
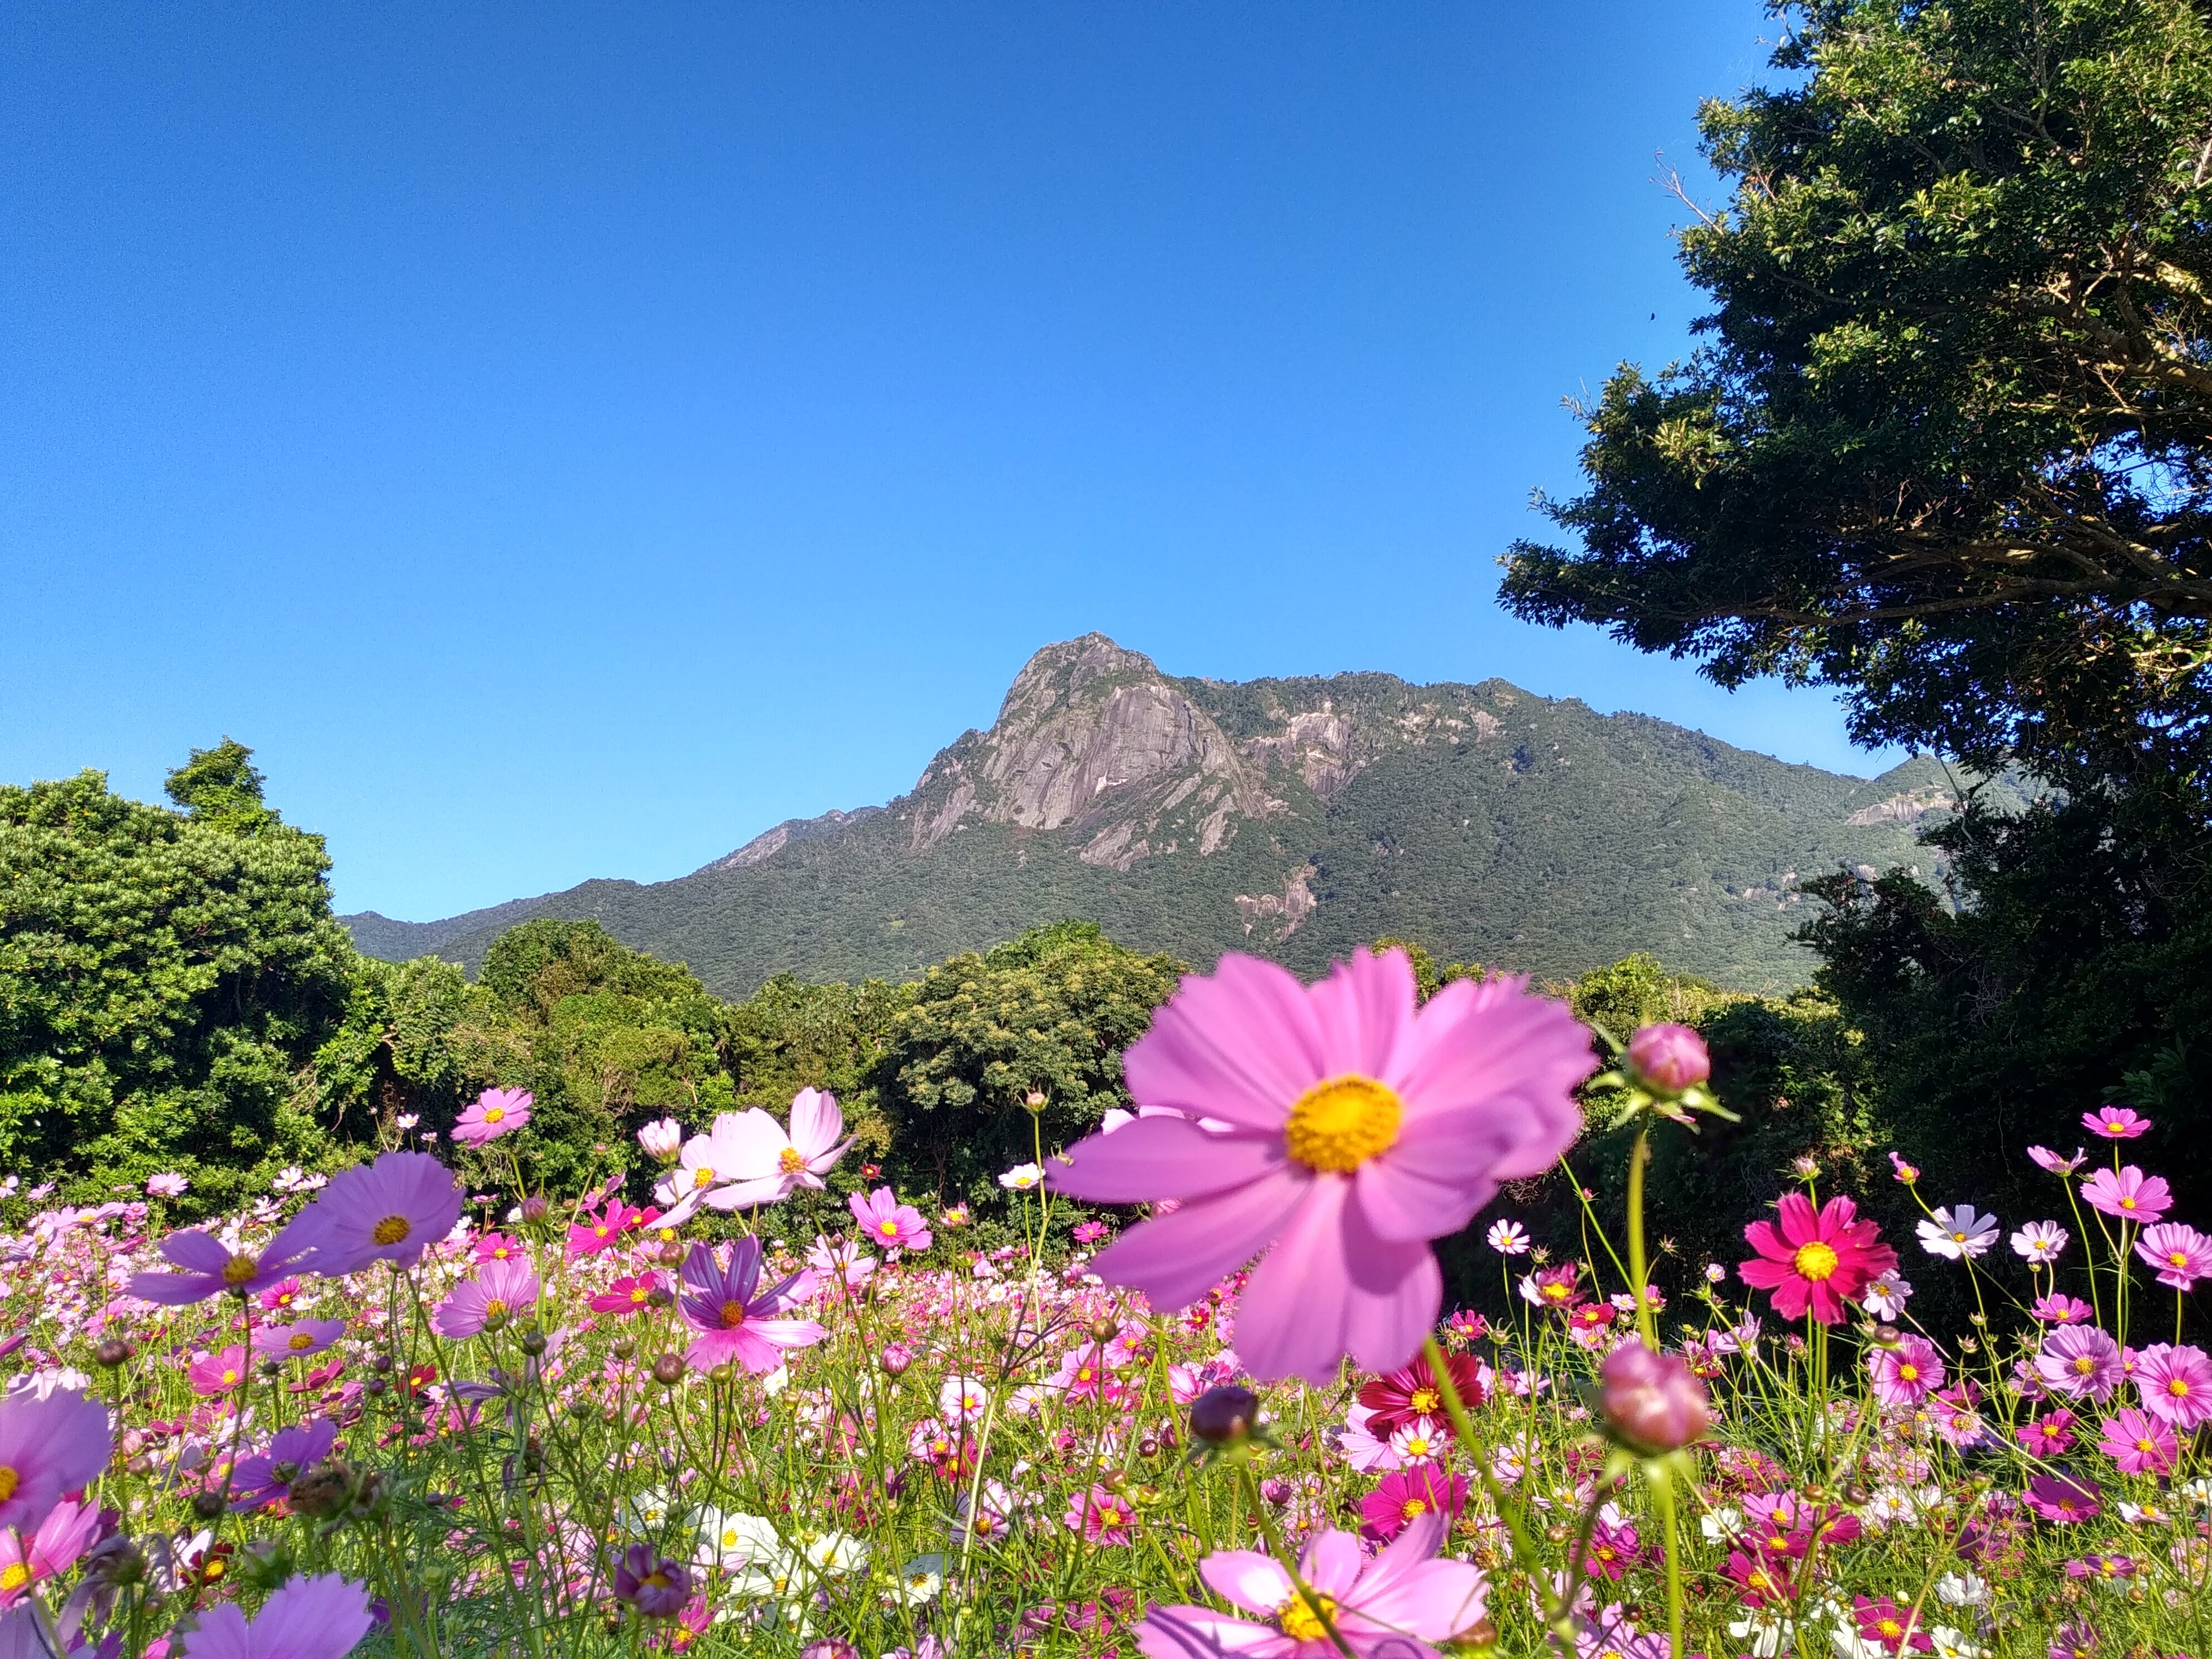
pixel 1639 1275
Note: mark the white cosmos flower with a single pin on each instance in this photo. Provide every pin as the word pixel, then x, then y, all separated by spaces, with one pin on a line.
pixel 1962 1590
pixel 2040 1241
pixel 1022 1177
pixel 962 1399
pixel 1958 1234
pixel 1885 1297
pixel 920 1579
pixel 1952 1645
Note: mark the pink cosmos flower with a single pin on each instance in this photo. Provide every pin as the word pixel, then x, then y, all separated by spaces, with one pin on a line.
pixel 2138 1443
pixel 629 1294
pixel 706 1172
pixel 2059 1309
pixel 736 1319
pixel 2180 1253
pixel 318 1618
pixel 2065 1498
pixel 602 1229
pixel 58 1544
pixel 887 1224
pixel 49 1444
pixel 303 1340
pixel 2175 1384
pixel 497 1247
pixel 1396 1605
pixel 495 1112
pixel 500 1290
pixel 2049 1435
pixel 219 1372
pixel 391 1210
pixel 1893 1629
pixel 1404 1495
pixel 1362 1125
pixel 773 1164
pixel 1907 1374
pixel 1102 1515
pixel 1821 1261
pixel 266 1475
pixel 2114 1123
pixel 2131 1195
pixel 2049 1161
pixel 842 1262
pixel 2080 1362
pixel 210 1267
pixel 167 1184
pixel 1906 1173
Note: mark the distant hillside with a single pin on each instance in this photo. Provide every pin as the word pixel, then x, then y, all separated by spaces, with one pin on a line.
pixel 1291 818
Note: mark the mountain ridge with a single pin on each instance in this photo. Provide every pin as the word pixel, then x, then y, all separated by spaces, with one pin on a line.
pixel 1292 817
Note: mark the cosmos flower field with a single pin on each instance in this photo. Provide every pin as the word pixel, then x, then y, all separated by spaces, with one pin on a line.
pixel 417 1408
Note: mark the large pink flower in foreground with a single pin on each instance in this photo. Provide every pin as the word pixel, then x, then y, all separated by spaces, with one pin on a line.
pixel 319 1617
pixel 49 1445
pixel 1358 1127
pixel 391 1210
pixel 1394 1606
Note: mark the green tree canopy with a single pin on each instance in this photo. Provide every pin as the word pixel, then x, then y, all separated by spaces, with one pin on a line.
pixel 164 976
pixel 1947 441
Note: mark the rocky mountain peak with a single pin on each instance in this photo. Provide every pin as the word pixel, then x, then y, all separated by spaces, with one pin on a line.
pixel 1095 738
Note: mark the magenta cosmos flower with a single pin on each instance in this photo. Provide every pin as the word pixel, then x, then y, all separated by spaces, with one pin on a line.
pixel 2131 1195
pixel 58 1544
pixel 2065 1498
pixel 2138 1443
pixel 1822 1260
pixel 319 1617
pixel 1359 1127
pixel 1396 1605
pixel 2080 1362
pixel 1402 1497
pixel 49 1444
pixel 391 1210
pixel 220 1372
pixel 2180 1253
pixel 736 1320
pixel 887 1224
pixel 495 1112
pixel 1907 1374
pixel 210 1267
pixel 2114 1123
pixel 2175 1384
pixel 500 1290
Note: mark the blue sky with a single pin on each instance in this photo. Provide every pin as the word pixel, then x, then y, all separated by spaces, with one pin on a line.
pixel 565 441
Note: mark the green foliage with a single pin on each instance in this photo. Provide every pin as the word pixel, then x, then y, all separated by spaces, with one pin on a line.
pixel 1948 442
pixel 164 976
pixel 1048 1013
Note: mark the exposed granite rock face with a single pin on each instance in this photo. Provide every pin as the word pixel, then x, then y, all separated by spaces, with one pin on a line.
pixel 770 842
pixel 1908 807
pixel 1095 739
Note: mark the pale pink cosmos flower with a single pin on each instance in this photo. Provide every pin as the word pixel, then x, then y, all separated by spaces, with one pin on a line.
pixel 1396 1605
pixel 390 1210
pixel 736 1319
pixel 2049 1161
pixel 771 1164
pixel 1363 1125
pixel 318 1618
pixel 887 1224
pixel 2040 1241
pixel 2180 1253
pixel 706 1169
pixel 2139 1443
pixel 842 1262
pixel 2131 1195
pixel 662 1140
pixel 1907 1374
pixel 167 1184
pixel 49 1443
pixel 500 1290
pixel 494 1113
pixel 1508 1238
pixel 302 1340
pixel 1959 1233
pixel 2115 1123
pixel 2080 1362
pixel 2175 1384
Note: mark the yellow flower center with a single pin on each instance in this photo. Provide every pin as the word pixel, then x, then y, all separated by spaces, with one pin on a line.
pixel 13 1576
pixel 239 1270
pixel 495 1114
pixel 888 1229
pixel 1413 1507
pixel 299 1341
pixel 2084 1366
pixel 2146 1444
pixel 789 1161
pixel 1908 1371
pixel 733 1315
pixel 639 1294
pixel 1300 1623
pixel 393 1230
pixel 2127 1204
pixel 1425 1401
pixel 229 1376
pixel 1339 1124
pixel 1889 1628
pixel 9 1480
pixel 1816 1261
pixel 2177 1387
pixel 2177 1258
pixel 495 1309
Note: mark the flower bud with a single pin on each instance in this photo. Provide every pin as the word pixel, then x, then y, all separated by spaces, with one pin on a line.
pixel 895 1359
pixel 113 1353
pixel 1277 1492
pixel 1224 1414
pixel 1034 1100
pixel 533 1343
pixel 534 1207
pixel 662 1138
pixel 207 1505
pixel 1103 1330
pixel 668 1370
pixel 1669 1057
pixel 1652 1401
